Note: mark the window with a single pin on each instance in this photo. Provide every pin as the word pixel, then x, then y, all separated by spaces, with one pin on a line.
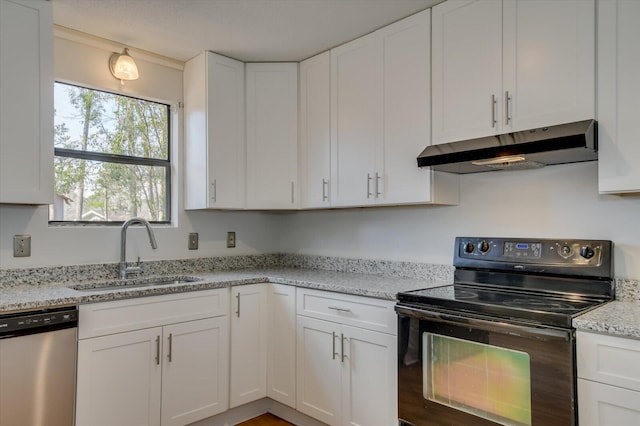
pixel 111 157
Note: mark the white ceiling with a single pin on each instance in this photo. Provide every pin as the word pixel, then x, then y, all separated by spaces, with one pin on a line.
pixel 248 30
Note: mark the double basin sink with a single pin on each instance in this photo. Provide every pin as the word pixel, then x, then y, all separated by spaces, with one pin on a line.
pixel 136 283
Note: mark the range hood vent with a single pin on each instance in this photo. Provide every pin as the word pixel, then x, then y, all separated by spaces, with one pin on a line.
pixel 535 148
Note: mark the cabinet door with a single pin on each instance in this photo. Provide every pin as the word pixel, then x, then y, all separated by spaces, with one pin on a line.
pixel 356 121
pixel 618 96
pixel 604 405
pixel 318 390
pixel 467 69
pixel 195 370
pixel 272 135
pixel 26 102
pixel 248 344
pixel 281 348
pixel 406 70
pixel 548 75
pixel 369 378
pixel 315 131
pixel 214 132
pixel 119 378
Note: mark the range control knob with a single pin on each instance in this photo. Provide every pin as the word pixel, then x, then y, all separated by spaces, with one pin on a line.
pixel 586 252
pixel 565 250
pixel 484 247
pixel 469 248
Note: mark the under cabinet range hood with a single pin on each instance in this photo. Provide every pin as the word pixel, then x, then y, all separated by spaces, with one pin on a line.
pixel 527 149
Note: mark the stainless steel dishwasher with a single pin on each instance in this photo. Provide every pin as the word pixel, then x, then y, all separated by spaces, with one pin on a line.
pixel 37 367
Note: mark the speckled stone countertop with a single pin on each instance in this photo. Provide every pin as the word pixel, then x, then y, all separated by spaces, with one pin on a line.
pixel 617 318
pixel 24 297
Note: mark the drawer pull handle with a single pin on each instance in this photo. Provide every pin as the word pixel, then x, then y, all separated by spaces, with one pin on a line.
pixel 158 350
pixel 336 308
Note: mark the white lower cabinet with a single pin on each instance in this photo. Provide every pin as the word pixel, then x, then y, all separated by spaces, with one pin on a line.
pixel 248 344
pixel 608 380
pixel 171 374
pixel 346 375
pixel 281 344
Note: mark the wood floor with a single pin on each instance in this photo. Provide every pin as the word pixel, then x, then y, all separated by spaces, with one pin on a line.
pixel 266 420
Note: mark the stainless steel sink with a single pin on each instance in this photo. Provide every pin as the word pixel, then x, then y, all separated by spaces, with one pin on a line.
pixel 135 283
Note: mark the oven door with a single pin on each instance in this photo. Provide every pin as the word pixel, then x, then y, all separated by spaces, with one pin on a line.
pixel 458 370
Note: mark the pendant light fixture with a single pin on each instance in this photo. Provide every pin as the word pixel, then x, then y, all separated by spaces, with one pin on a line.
pixel 123 67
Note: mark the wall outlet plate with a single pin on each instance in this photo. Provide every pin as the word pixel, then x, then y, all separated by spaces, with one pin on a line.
pixel 193 241
pixel 21 245
pixel 231 239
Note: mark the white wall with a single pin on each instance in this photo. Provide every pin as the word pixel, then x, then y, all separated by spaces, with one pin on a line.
pixel 556 202
pixel 84 60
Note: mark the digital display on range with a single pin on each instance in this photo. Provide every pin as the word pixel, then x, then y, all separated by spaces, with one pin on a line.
pixel 513 249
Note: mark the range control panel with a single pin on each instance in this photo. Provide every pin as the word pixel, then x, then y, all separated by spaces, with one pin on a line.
pixel 535 255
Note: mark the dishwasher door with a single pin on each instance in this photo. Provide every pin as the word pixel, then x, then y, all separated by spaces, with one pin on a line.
pixel 37 378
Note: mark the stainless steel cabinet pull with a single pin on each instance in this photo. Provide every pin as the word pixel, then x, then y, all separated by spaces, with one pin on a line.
pixel 333 334
pixel 507 99
pixel 336 308
pixel 238 311
pixel 369 194
pixel 292 197
pixel 378 178
pixel 493 111
pixel 158 350
pixel 170 347
pixel 342 347
pixel 325 184
pixel 214 190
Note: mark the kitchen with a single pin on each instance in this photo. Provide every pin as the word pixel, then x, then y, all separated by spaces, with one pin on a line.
pixel 557 201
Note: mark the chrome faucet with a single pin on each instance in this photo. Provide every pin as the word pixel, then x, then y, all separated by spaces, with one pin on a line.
pixel 124 270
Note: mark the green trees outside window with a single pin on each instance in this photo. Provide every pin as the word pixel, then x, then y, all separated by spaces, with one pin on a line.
pixel 111 157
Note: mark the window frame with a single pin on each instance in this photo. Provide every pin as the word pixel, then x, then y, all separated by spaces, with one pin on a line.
pixel 122 159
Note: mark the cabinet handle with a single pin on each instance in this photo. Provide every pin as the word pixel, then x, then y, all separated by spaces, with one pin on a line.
pixel 238 311
pixel 507 99
pixel 215 188
pixel 333 334
pixel 378 178
pixel 493 111
pixel 369 194
pixel 292 197
pixel 170 347
pixel 325 184
pixel 158 350
pixel 336 308
pixel 342 347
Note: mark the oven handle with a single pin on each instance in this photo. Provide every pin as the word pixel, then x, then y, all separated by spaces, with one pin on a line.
pixel 488 325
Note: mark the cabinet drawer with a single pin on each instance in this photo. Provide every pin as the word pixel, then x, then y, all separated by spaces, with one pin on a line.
pixel 358 311
pixel 609 359
pixel 99 319
pixel 604 405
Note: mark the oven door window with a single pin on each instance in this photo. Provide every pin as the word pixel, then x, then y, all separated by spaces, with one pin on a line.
pixel 480 379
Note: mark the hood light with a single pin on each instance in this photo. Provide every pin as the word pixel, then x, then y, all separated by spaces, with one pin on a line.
pixel 500 160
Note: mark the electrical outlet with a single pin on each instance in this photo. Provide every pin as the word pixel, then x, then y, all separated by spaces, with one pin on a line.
pixel 21 245
pixel 231 239
pixel 193 241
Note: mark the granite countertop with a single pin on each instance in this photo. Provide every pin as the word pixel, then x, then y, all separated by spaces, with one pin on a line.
pixel 30 296
pixel 621 318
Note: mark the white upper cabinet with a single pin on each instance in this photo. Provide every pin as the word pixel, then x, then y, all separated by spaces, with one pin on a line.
pixel 26 102
pixel 467 68
pixel 272 135
pixel 315 131
pixel 356 121
pixel 406 90
pixel 214 132
pixel 618 96
pixel 496 70
pixel 381 119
